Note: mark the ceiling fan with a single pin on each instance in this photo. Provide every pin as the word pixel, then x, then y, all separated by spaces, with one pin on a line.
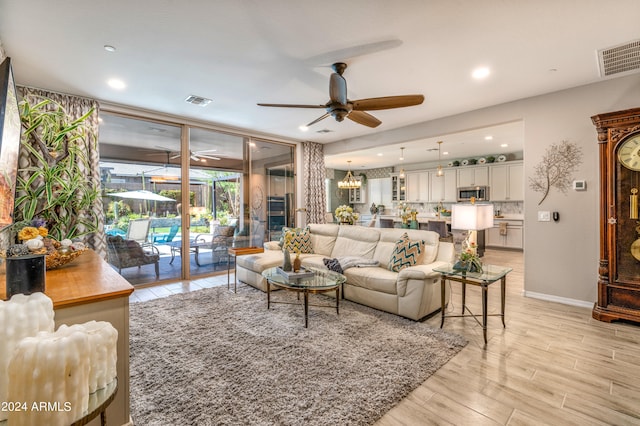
pixel 201 155
pixel 339 106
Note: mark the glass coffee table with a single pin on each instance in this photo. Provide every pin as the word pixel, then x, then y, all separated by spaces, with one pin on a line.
pixel 319 281
pixel 489 275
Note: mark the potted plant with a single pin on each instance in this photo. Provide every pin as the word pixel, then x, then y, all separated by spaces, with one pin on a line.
pixel 54 187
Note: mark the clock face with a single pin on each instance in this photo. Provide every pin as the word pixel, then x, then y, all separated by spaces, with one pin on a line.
pixel 629 153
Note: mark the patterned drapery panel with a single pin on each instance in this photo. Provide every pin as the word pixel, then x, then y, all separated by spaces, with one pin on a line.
pixel 314 176
pixel 76 107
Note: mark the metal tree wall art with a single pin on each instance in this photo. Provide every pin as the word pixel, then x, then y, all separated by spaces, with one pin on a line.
pixel 559 163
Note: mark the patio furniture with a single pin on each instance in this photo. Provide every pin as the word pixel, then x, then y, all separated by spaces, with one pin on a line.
pixel 167 238
pixel 139 230
pixel 123 253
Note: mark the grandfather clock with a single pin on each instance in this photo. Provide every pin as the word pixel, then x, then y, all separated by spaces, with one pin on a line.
pixel 619 269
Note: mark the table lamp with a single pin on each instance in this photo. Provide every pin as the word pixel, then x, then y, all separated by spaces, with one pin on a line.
pixel 471 217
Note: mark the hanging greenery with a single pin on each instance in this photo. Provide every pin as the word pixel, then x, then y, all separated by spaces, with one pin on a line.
pixel 53 188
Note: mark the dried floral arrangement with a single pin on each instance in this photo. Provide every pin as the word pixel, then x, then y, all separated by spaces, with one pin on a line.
pixel 556 168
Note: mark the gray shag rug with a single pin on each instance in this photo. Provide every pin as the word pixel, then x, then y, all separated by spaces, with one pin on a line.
pixel 211 357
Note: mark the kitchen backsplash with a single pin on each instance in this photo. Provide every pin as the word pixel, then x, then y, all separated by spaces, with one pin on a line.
pixel 506 207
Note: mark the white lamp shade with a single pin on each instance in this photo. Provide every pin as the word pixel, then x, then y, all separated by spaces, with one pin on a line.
pixel 471 217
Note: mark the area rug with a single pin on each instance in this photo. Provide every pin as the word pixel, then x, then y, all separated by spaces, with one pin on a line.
pixel 211 357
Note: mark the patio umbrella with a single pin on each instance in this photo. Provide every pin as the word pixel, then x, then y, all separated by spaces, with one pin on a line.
pixel 141 195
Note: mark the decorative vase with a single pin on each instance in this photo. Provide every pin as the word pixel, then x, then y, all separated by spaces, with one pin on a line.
pixel 286 261
pixel 296 263
pixel 468 266
pixel 25 274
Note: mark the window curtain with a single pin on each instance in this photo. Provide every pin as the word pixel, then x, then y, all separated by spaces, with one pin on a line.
pixel 76 107
pixel 314 176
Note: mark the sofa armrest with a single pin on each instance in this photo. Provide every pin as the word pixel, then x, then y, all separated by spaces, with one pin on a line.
pixel 419 273
pixel 446 252
pixel 272 245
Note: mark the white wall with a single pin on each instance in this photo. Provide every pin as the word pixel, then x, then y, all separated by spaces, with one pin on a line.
pixel 561 259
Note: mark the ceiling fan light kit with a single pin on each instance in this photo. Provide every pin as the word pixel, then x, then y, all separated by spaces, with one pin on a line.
pixel 340 107
pixel 349 181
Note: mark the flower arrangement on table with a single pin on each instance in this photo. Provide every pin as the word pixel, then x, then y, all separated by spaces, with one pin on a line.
pixel 34 239
pixel 345 214
pixel 468 260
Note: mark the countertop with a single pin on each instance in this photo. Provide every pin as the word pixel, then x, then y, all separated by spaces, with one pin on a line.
pixel 87 279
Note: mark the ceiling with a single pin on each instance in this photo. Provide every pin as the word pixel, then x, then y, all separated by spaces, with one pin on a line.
pixel 241 52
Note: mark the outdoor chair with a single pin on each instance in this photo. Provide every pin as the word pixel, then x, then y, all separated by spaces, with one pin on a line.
pixel 128 253
pixel 139 230
pixel 167 238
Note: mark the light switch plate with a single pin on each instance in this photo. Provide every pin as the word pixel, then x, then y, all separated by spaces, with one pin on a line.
pixel 544 216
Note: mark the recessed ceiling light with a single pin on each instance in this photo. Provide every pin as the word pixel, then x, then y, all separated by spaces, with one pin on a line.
pixel 303 128
pixel 480 73
pixel 504 145
pixel 109 48
pixel 379 154
pixel 115 83
pixel 445 153
pixel 488 138
pixel 252 144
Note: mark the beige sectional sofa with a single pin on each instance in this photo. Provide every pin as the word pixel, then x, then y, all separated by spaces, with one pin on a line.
pixel 414 292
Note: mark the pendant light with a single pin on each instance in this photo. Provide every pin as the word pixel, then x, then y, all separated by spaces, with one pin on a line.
pixel 401 159
pixel 440 172
pixel 349 182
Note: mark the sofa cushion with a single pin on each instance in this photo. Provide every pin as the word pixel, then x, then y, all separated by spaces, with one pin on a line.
pixel 261 261
pixel 298 242
pixel 375 279
pixel 406 253
pixel 389 236
pixel 355 241
pixel 285 230
pixel 323 238
pixel 332 265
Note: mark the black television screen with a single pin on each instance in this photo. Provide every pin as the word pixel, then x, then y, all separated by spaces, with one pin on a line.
pixel 9 142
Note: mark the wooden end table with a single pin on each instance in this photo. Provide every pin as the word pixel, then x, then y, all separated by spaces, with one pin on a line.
pixel 235 252
pixel 489 275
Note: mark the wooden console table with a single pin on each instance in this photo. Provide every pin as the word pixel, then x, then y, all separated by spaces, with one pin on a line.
pixel 90 289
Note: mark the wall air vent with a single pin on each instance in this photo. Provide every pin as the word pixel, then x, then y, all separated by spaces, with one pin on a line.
pixel 198 100
pixel 624 58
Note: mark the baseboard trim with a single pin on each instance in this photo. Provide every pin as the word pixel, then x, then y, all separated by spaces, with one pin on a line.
pixel 558 299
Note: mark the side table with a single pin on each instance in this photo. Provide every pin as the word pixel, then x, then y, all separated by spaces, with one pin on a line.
pixel 235 252
pixel 484 279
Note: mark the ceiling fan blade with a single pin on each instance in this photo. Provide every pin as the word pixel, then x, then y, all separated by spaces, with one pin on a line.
pixel 208 156
pixel 364 118
pixel 387 102
pixel 292 106
pixel 322 117
pixel 338 88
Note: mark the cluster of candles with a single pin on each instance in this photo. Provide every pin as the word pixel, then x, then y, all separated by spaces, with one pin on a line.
pixel 57 368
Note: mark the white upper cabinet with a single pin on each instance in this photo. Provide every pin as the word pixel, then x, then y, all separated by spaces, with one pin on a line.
pixel 417 186
pixel 473 176
pixel 507 182
pixel 443 188
pixel 379 191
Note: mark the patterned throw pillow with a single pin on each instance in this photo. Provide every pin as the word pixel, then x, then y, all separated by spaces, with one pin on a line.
pixel 286 229
pixel 406 253
pixel 333 265
pixel 298 243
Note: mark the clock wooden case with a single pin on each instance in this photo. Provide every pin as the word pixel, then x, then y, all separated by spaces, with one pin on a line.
pixel 619 265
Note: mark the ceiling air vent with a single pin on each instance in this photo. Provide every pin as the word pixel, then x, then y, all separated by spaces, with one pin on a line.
pixel 624 58
pixel 198 100
pixel 324 131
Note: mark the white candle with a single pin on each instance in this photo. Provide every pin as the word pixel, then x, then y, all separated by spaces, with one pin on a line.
pixel 22 316
pixel 49 374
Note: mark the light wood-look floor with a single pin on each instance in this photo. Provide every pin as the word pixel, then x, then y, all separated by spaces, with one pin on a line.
pixel 552 364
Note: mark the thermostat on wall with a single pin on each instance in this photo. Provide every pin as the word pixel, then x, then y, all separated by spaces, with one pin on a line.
pixel 580 185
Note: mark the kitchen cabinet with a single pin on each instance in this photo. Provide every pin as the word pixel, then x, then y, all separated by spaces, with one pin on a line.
pixel 398 188
pixel 443 188
pixel 379 191
pixel 417 186
pixel 507 182
pixel 473 176
pixel 514 238
pixel 358 195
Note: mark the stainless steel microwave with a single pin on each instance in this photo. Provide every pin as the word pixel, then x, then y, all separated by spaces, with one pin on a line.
pixel 480 193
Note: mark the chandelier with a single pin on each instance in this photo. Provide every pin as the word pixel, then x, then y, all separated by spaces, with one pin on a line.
pixel 349 182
